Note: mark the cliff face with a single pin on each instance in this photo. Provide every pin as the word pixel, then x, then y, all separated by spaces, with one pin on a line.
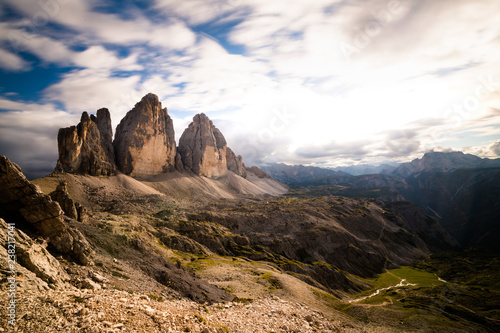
pixel 144 145
pixel 203 148
pixel 145 140
pixel 25 205
pixel 85 148
pixel 235 163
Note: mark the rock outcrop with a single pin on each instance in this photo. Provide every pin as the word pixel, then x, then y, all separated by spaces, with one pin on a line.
pixel 25 205
pixel 235 163
pixel 85 148
pixel 37 266
pixel 70 208
pixel 145 140
pixel 203 148
pixel 62 197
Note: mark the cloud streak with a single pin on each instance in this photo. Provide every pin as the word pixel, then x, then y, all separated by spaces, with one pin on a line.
pixel 394 95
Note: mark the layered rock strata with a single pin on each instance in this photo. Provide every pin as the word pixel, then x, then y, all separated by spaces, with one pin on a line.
pixel 25 205
pixel 86 148
pixel 145 140
pixel 203 148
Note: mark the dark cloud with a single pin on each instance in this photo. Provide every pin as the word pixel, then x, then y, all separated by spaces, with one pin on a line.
pixel 32 147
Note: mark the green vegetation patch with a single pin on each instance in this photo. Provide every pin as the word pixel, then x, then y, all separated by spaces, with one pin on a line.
pixel 274 282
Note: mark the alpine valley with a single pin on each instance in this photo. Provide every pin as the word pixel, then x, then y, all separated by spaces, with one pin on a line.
pixel 135 232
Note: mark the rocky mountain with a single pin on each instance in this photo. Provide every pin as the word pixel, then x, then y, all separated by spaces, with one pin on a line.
pixel 458 190
pixel 144 146
pixel 203 148
pixel 440 161
pixel 235 163
pixel 223 244
pixel 23 204
pixel 86 148
pixel 292 174
pixel 367 169
pixel 464 201
pixel 145 139
pixel 217 256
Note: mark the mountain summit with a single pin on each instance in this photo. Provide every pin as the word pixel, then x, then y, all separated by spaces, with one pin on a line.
pixel 145 139
pixel 86 148
pixel 144 145
pixel 203 148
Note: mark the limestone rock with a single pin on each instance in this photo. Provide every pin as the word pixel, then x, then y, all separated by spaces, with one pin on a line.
pixel 82 212
pixel 85 149
pixel 33 257
pixel 103 121
pixel 203 148
pixel 145 140
pixel 235 163
pixel 70 208
pixel 23 203
pixel 67 204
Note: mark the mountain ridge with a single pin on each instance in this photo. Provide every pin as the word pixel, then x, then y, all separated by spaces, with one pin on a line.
pixel 145 146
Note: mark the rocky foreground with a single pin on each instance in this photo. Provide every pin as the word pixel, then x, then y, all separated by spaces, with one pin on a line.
pixel 119 311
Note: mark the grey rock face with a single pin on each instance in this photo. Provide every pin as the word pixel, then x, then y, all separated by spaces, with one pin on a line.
pixel 235 163
pixel 85 148
pixel 203 148
pixel 145 139
pixel 36 264
pixel 23 203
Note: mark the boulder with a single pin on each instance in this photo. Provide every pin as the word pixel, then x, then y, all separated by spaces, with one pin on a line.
pixel 145 139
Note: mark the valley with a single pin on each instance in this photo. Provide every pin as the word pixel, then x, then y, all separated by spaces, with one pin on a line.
pixel 193 240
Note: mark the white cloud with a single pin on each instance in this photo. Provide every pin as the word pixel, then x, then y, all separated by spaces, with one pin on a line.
pixel 394 97
pixel 90 90
pixel 107 28
pixel 13 62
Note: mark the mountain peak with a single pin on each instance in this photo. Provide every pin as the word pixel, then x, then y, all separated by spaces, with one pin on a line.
pixel 203 148
pixel 86 148
pixel 145 139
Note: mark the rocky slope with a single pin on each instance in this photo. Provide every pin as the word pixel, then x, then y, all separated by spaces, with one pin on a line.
pixel 301 258
pixel 23 204
pixel 86 148
pixel 145 139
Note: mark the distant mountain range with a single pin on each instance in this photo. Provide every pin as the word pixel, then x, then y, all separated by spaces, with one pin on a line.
pixel 293 174
pixel 367 169
pixel 439 161
pixel 432 161
pixel 461 191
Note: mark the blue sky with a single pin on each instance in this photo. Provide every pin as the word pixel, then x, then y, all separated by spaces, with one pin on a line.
pixel 324 82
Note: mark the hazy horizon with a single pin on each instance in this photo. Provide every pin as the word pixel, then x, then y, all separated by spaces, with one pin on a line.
pixel 329 83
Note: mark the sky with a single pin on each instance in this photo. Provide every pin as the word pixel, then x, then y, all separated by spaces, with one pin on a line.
pixel 324 82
